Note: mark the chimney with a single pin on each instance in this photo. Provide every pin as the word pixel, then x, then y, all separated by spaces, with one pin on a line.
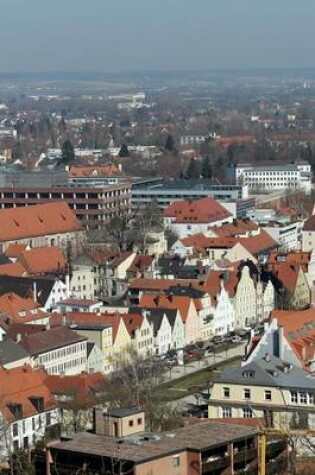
pixel 267 357
pixel 281 342
pixel 35 292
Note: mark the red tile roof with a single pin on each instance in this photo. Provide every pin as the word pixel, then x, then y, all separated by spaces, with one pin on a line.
pixel 14 250
pixel 84 387
pixel 91 171
pixel 43 260
pixel 259 243
pixel 239 227
pixel 205 210
pixel 175 302
pixel 19 386
pixel 16 269
pixel 37 220
pixel 20 310
pixel 309 225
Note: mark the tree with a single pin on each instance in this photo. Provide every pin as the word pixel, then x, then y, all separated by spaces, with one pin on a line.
pixel 170 143
pixel 124 152
pixel 136 381
pixel 68 155
pixel 206 170
pixel 193 171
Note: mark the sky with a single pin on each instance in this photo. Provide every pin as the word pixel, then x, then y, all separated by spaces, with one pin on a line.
pixel 128 35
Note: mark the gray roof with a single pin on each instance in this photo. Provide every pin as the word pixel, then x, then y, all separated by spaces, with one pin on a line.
pixel 269 371
pixel 124 411
pixel 139 449
pixel 11 351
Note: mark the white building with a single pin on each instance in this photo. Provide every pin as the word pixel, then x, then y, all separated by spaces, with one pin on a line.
pixel 275 177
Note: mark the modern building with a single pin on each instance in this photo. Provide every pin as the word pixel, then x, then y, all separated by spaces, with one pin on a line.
pixel 90 204
pixel 275 177
pixel 164 192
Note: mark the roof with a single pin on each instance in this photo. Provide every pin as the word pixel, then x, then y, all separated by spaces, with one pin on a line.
pixel 269 371
pixel 159 284
pixel 14 250
pixel 10 352
pixel 78 302
pixel 239 227
pixel 133 321
pixel 48 340
pixel 175 302
pixel 43 260
pixel 91 171
pixel 14 269
pixel 140 263
pixel 259 243
pixel 124 411
pixel 37 220
pixel 288 274
pixel 170 264
pixel 25 287
pixel 85 386
pixel 20 310
pixel 205 210
pixel 20 386
pixel 196 437
pixel 309 225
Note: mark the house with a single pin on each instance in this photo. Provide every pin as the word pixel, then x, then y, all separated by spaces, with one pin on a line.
pixel 43 260
pixel 12 355
pixel 59 350
pixel 268 388
pixel 44 291
pixel 185 218
pixel 162 329
pixel 222 317
pixel 94 358
pixel 141 332
pixel 187 308
pixel 293 292
pixel 87 271
pixel 77 305
pixel 50 224
pixel 304 259
pixel 22 310
pixel 115 274
pixel 76 395
pixel 290 336
pixel 28 414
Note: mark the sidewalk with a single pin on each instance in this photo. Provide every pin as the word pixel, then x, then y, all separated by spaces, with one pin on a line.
pixel 191 367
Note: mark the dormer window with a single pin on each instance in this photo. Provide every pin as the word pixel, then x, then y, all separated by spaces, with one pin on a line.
pixel 248 374
pixel 16 409
pixel 22 313
pixel 38 403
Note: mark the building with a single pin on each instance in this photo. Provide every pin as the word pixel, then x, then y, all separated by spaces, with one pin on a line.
pixel 50 224
pixel 28 414
pixel 12 355
pixel 308 235
pixel 275 177
pixel 165 192
pixel 206 448
pixel 279 393
pixel 59 350
pixel 90 204
pixel 186 218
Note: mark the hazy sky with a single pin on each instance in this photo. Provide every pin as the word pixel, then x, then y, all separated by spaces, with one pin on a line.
pixel 111 35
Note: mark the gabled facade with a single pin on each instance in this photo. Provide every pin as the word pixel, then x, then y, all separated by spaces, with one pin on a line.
pixel 162 331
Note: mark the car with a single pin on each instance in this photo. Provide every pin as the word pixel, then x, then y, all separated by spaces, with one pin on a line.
pixel 196 411
pixel 217 339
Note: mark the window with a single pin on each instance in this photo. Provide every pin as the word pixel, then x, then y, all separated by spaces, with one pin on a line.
pixel 247 413
pixel 267 395
pixel 294 397
pixel 130 423
pixel 226 392
pixel 310 398
pixel 246 393
pixel 15 430
pixel 48 419
pixel 303 398
pixel 33 423
pixel 176 461
pixel 139 421
pixel 226 412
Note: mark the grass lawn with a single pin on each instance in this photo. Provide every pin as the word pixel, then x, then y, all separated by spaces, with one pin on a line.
pixel 194 382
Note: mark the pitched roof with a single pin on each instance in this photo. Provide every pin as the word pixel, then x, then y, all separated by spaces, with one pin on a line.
pixel 91 171
pixel 85 387
pixel 140 263
pixel 43 260
pixel 48 340
pixel 20 309
pixel 309 225
pixel 14 269
pixel 26 286
pixel 14 250
pixel 133 322
pixel 11 351
pixel 20 386
pixel 272 372
pixel 177 302
pixel 259 243
pixel 37 220
pixel 205 210
pixel 239 227
pixel 288 274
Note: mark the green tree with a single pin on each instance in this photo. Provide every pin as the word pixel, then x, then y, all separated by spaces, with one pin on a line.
pixel 193 171
pixel 206 170
pixel 68 155
pixel 124 152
